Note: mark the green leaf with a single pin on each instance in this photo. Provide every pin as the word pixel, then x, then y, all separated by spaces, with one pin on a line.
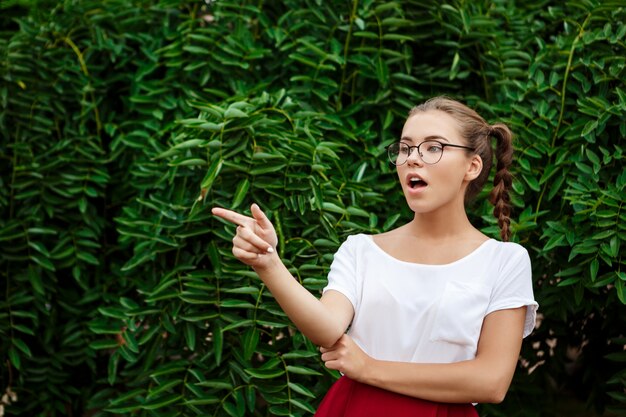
pixel 41 231
pixel 114 312
pixel 43 262
pixel 207 400
pixel 23 329
pixel 112 367
pixel 621 291
pixel 554 241
pixel 250 341
pixel 127 353
pixel 212 173
pixel 148 334
pixel 355 211
pixel 133 394
pixel 34 277
pixel 197 50
pixel 532 182
pixel 190 336
pixel 251 395
pixel 103 344
pixel 234 113
pixel 218 342
pixel 300 389
pixel 300 354
pixel 240 403
pixel 22 346
pixel 333 208
pixel 616 357
pixel 231 409
pixel 14 357
pixel 233 303
pixel 162 402
pixel 163 388
pixel 568 282
pixel 39 247
pixel 187 162
pixel 265 374
pixel 304 406
pixel 240 193
pixel 391 221
pixel 594 266
pixel 87 257
pixel 603 235
pixel 168 369
pixel 225 385
pixel 589 127
pixel 301 370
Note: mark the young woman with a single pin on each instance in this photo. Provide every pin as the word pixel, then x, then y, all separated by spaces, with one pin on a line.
pixel 436 310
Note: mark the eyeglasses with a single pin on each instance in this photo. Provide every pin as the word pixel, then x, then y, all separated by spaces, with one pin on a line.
pixel 399 152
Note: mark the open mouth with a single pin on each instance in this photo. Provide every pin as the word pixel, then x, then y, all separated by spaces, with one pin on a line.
pixel 416 182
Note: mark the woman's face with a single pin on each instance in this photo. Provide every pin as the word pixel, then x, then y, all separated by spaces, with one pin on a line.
pixel 442 185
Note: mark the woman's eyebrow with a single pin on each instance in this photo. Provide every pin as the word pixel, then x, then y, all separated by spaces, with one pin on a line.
pixel 431 137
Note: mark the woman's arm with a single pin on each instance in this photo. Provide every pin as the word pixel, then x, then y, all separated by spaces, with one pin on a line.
pixel 485 379
pixel 323 321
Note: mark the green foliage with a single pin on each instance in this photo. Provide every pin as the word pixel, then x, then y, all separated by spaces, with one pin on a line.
pixel 122 123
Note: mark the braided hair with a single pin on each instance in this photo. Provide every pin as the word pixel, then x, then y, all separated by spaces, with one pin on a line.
pixel 478 134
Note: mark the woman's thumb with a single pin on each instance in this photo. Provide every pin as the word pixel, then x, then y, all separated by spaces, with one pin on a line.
pixel 259 216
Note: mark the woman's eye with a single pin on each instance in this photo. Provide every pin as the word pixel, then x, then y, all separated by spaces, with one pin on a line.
pixel 434 148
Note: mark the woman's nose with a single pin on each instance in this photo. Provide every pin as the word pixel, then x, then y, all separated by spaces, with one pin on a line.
pixel 414 157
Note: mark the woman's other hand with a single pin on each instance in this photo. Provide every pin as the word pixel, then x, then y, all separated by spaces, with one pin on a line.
pixel 347 357
pixel 255 237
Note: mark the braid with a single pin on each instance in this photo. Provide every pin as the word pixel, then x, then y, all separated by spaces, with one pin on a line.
pixel 503 179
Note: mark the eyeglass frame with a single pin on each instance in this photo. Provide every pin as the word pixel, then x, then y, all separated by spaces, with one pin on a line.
pixel 411 147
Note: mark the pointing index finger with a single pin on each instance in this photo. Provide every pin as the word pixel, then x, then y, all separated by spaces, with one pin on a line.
pixel 231 216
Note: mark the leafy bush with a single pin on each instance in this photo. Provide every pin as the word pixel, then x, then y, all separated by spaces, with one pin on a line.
pixel 123 122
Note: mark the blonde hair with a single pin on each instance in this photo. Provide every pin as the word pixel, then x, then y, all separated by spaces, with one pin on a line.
pixel 478 134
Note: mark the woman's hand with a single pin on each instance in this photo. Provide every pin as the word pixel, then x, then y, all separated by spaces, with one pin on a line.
pixel 348 358
pixel 255 236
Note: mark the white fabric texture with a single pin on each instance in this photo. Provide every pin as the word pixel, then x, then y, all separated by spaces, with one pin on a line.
pixel 412 312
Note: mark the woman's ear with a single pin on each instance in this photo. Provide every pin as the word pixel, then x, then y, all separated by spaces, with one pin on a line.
pixel 474 168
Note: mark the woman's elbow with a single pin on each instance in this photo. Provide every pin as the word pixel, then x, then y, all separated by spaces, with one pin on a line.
pixel 496 390
pixel 497 396
pixel 326 342
pixel 328 339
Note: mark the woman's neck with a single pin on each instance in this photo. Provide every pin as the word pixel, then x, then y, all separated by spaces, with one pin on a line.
pixel 440 226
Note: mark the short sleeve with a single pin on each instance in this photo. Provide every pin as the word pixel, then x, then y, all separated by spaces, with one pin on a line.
pixel 514 287
pixel 342 275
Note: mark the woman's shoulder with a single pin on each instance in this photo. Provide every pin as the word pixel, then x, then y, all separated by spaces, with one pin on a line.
pixel 509 248
pixel 352 246
pixel 357 240
pixel 353 240
pixel 390 234
pixel 508 255
pixel 382 239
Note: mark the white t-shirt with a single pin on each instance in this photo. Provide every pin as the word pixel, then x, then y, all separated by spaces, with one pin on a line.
pixel 412 312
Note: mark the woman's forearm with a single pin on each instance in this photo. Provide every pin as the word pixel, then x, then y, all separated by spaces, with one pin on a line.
pixel 314 319
pixel 460 382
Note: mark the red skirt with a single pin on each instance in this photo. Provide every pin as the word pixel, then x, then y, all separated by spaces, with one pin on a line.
pixel 348 398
